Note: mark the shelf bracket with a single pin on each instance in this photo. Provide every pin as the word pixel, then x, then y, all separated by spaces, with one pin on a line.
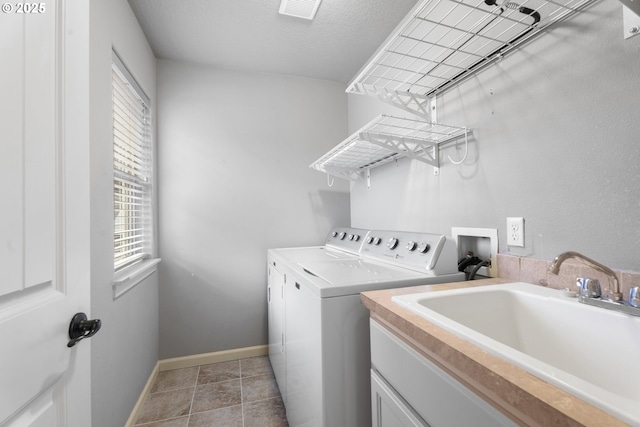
pixel 433 110
pixel 630 22
pixel 414 103
pixel 415 148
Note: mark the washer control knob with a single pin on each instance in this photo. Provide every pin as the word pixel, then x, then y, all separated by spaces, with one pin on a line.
pixel 369 240
pixel 377 240
pixel 392 243
pixel 356 237
pixel 334 234
pixel 411 246
pixel 424 248
pixel 342 235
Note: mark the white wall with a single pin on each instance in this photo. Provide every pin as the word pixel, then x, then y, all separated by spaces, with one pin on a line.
pixel 556 140
pixel 234 151
pixel 125 351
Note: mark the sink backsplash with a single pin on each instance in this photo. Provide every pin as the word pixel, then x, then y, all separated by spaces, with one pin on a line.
pixel 532 270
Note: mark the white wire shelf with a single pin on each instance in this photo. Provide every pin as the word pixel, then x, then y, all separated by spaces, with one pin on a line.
pixel 442 41
pixel 384 139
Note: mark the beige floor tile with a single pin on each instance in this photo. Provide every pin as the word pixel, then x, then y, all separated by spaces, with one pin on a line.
pixel 175 379
pixel 259 387
pixel 216 372
pixel 230 416
pixel 255 366
pixel 265 413
pixel 176 422
pixel 166 405
pixel 216 395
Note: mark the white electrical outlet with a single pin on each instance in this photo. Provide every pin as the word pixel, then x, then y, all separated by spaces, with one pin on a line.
pixel 515 231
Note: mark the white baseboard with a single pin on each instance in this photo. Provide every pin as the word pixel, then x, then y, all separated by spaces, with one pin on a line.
pixel 145 392
pixel 215 357
pixel 189 361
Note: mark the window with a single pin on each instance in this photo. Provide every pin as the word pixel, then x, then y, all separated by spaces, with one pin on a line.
pixel 132 172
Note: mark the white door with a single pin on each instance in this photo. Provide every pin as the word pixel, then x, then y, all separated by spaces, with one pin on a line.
pixel 44 214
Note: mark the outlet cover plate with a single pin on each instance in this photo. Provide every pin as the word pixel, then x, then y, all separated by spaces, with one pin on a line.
pixel 515 231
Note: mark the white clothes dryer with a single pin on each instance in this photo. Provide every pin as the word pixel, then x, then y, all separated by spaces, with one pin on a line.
pixel 341 243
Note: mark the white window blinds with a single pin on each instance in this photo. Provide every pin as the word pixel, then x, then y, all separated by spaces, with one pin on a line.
pixel 132 170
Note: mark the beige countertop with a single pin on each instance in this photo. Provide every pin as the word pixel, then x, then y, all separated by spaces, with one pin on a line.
pixel 526 399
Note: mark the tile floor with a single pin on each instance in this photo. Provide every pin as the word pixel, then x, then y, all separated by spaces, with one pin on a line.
pixel 238 393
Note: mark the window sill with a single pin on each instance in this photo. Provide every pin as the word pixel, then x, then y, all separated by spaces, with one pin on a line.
pixel 125 280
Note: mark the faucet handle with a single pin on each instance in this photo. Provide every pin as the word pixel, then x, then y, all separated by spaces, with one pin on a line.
pixel 634 296
pixel 589 288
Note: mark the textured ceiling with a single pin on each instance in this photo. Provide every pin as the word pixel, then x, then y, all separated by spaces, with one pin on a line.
pixel 251 35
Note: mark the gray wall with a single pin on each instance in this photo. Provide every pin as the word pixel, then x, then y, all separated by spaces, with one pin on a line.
pixel 126 350
pixel 234 151
pixel 556 130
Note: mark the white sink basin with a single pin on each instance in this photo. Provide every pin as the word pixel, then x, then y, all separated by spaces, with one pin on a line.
pixel 590 352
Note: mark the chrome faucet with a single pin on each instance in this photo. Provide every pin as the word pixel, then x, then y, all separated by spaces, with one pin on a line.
pixel 589 292
pixel 614 293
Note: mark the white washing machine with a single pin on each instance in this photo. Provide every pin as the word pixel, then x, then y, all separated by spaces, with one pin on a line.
pixel 318 327
pixel 342 243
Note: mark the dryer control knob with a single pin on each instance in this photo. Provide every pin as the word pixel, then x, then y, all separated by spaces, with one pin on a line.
pixel 342 235
pixel 392 243
pixel 377 240
pixel 369 240
pixel 356 237
pixel 411 246
pixel 334 234
pixel 424 248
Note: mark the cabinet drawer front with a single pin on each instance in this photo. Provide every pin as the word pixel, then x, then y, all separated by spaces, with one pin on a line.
pixel 389 409
pixel 432 393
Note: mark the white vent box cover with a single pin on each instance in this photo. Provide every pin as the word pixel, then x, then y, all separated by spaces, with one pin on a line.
pixel 305 9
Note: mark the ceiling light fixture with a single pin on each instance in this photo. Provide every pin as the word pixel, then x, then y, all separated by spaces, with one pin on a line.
pixel 305 9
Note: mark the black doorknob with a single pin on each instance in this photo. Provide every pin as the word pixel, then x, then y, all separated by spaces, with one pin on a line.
pixel 81 328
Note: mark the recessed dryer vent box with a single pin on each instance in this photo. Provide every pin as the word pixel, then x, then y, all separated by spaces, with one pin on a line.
pixel 483 242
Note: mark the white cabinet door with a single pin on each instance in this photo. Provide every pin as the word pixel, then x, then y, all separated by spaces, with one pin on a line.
pixel 388 409
pixel 275 297
pixel 44 220
pixel 434 395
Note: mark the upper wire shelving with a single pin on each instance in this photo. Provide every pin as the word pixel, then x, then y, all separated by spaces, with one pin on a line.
pixel 442 41
pixel 437 45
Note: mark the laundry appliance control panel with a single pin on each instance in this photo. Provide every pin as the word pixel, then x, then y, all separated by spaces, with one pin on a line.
pixel 417 251
pixel 346 239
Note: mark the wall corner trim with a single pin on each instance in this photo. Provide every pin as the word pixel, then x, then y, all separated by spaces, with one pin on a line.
pixel 143 396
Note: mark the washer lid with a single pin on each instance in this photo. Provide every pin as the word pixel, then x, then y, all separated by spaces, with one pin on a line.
pixel 355 271
pixel 305 255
